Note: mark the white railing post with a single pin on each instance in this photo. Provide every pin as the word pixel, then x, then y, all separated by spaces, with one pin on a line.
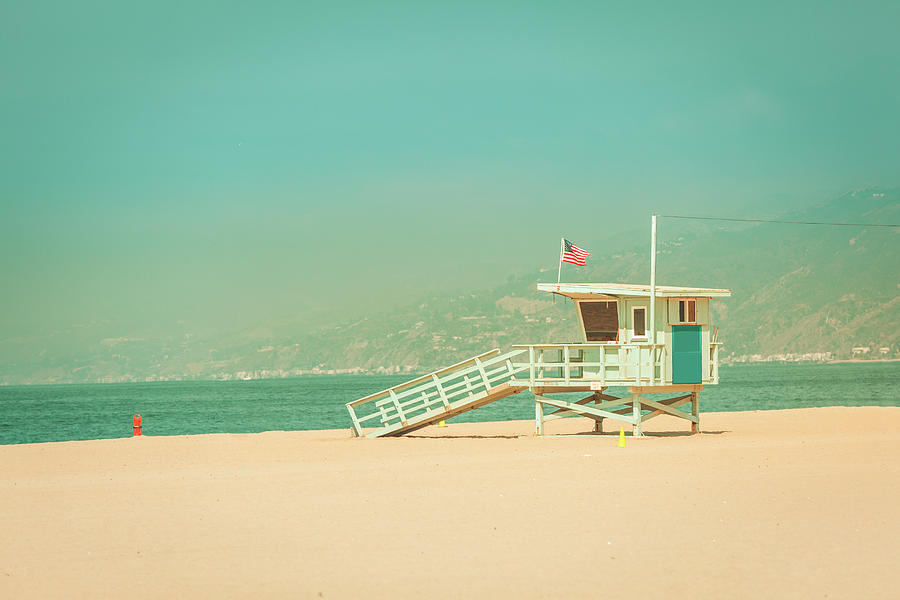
pixel 531 366
pixel 657 354
pixel 637 363
pixel 602 365
pixel 662 363
pixel 566 362
pixel 440 389
pixel 357 428
pixel 484 377
pixel 397 406
pixel 539 368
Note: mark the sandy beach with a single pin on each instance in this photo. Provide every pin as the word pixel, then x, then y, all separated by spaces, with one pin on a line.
pixel 785 504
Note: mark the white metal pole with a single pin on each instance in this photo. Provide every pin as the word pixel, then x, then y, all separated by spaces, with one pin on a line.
pixel 559 272
pixel 653 279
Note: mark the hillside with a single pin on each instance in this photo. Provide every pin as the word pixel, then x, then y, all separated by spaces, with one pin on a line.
pixel 800 292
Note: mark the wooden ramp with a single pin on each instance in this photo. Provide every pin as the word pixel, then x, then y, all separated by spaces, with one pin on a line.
pixel 437 396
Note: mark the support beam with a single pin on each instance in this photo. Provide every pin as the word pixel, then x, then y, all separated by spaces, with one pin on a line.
pixel 565 413
pixel 561 389
pixel 596 398
pixel 636 415
pixel 613 405
pixel 695 411
pixel 664 408
pixel 674 402
pixel 666 389
pixel 587 411
pixel 628 409
pixel 613 402
pixel 583 401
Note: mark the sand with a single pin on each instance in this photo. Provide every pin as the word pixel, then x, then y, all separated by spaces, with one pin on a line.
pixel 784 504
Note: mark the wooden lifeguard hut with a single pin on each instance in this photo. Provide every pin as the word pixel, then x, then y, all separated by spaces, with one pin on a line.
pixel 659 344
pixel 647 339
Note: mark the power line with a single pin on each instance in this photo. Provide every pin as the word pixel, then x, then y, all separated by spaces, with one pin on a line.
pixel 778 221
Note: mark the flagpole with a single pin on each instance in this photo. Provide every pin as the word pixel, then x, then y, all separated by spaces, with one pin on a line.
pixel 653 279
pixel 559 272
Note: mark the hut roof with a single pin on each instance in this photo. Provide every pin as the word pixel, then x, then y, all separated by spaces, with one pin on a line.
pixel 596 291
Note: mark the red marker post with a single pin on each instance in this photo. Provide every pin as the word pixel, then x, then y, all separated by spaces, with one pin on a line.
pixel 137 424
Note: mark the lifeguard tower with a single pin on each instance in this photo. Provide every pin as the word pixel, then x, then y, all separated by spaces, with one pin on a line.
pixel 647 339
pixel 663 344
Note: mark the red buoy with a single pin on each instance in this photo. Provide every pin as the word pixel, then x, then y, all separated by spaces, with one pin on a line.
pixel 138 425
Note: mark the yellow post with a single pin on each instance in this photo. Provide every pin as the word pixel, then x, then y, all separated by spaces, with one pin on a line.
pixel 442 424
pixel 621 437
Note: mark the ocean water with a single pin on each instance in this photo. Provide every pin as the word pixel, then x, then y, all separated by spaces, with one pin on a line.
pixel 50 413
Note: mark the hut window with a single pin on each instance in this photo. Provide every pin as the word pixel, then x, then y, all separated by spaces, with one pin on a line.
pixel 687 311
pixel 601 321
pixel 639 321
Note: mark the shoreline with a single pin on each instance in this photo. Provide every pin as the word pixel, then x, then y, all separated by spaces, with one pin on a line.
pixel 524 426
pixel 863 360
pixel 471 510
pixel 411 375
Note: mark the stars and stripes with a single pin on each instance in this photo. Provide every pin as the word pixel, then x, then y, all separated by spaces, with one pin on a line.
pixel 573 254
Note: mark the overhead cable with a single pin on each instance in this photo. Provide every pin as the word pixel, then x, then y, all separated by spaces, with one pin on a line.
pixel 780 221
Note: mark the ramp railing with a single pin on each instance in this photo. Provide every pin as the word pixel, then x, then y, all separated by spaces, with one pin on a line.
pixel 429 396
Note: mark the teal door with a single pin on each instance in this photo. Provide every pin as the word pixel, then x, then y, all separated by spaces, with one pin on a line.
pixel 686 357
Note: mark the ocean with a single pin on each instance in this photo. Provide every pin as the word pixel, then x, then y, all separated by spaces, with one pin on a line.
pixel 52 413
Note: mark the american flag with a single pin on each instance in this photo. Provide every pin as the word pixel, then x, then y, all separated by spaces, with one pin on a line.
pixel 573 254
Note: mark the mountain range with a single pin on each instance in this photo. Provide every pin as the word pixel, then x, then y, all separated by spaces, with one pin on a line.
pixel 800 292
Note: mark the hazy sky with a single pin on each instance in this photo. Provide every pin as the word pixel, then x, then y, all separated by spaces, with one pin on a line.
pixel 222 163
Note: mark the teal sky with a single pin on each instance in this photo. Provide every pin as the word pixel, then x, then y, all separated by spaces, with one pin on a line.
pixel 224 163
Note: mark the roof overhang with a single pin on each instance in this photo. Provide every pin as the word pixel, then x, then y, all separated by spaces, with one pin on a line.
pixel 599 291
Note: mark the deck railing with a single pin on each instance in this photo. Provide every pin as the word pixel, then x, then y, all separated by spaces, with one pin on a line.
pixel 435 392
pixel 608 363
